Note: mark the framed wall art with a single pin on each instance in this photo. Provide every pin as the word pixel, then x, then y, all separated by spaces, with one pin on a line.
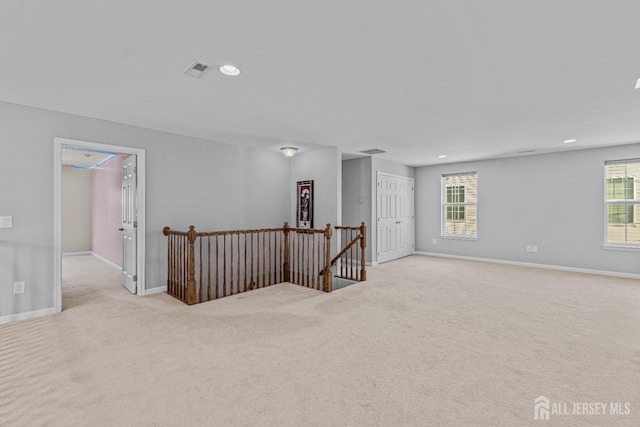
pixel 304 215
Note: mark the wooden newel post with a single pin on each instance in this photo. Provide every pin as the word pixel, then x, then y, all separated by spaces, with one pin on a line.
pixel 286 265
pixel 191 266
pixel 327 260
pixel 363 246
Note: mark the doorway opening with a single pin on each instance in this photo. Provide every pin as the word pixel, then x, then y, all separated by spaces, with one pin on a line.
pixel 129 257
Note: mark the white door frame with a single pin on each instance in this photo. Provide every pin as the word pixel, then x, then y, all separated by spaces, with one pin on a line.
pixel 413 233
pixel 58 143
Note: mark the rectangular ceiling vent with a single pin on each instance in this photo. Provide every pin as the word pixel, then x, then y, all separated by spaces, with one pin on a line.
pixel 196 69
pixel 373 151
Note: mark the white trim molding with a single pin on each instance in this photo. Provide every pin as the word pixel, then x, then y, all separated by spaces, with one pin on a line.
pixel 533 265
pixel 106 261
pixel 76 253
pixel 27 315
pixel 158 290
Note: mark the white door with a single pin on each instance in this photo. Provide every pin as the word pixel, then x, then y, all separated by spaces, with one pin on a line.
pixel 395 217
pixel 129 276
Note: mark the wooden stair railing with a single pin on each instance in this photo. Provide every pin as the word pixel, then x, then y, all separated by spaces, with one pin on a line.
pixel 206 266
pixel 352 255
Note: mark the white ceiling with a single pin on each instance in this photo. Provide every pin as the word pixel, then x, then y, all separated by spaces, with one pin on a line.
pixel 470 79
pixel 83 158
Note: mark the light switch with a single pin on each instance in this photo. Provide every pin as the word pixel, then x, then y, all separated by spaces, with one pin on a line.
pixel 6 221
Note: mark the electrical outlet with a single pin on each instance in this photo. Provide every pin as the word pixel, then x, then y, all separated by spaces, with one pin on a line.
pixel 435 241
pixel 6 222
pixel 528 248
pixel 534 249
pixel 18 288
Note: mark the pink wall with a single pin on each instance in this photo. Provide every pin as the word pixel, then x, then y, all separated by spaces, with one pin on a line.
pixel 107 210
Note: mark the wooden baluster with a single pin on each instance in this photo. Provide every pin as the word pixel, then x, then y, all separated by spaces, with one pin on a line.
pixel 238 275
pixel 351 254
pixel 224 265
pixel 327 260
pixel 244 286
pixel 169 257
pixel 200 284
pixel 264 259
pixel 191 270
pixel 251 283
pixel 208 268
pixel 302 266
pixel 217 281
pixel 312 262
pixel 181 271
pixel 363 246
pixel 286 266
pixel 269 276
pixel 231 266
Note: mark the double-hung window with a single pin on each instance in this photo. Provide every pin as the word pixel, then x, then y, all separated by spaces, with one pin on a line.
pixel 460 205
pixel 622 202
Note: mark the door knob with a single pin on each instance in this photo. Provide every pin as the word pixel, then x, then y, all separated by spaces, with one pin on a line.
pixel 121 229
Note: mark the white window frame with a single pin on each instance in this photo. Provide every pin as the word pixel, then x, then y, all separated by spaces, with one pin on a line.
pixel 444 204
pixel 607 203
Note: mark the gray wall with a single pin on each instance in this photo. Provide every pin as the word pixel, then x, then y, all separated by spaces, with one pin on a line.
pixel 359 181
pixel 189 181
pixel 323 167
pixel 554 201
pixel 356 186
pixel 76 209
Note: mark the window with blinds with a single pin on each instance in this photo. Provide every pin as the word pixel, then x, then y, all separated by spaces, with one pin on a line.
pixel 459 204
pixel 622 201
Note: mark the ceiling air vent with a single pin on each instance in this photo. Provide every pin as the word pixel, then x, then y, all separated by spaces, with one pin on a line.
pixel 196 69
pixel 373 151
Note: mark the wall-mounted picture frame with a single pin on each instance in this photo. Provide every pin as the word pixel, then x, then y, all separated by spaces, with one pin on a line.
pixel 304 216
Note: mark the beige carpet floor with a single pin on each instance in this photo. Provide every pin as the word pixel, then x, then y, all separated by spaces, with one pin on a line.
pixel 424 342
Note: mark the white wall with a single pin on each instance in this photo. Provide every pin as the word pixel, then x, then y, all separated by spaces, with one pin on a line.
pixel 554 201
pixel 189 181
pixel 325 169
pixel 76 209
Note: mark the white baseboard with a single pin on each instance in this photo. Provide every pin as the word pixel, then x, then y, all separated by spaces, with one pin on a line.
pixel 157 290
pixel 533 265
pixel 371 264
pixel 76 253
pixel 103 259
pixel 27 315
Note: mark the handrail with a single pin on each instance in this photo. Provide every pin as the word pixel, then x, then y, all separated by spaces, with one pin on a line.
pixel 351 267
pixel 207 265
pixel 346 248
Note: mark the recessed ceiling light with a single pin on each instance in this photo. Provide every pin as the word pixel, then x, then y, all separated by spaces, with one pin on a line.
pixel 567 141
pixel 230 70
pixel 638 83
pixel 442 156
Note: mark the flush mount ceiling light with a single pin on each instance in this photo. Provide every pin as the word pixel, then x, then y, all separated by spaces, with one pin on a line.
pixel 567 141
pixel 230 70
pixel 442 156
pixel 373 151
pixel 638 83
pixel 289 151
